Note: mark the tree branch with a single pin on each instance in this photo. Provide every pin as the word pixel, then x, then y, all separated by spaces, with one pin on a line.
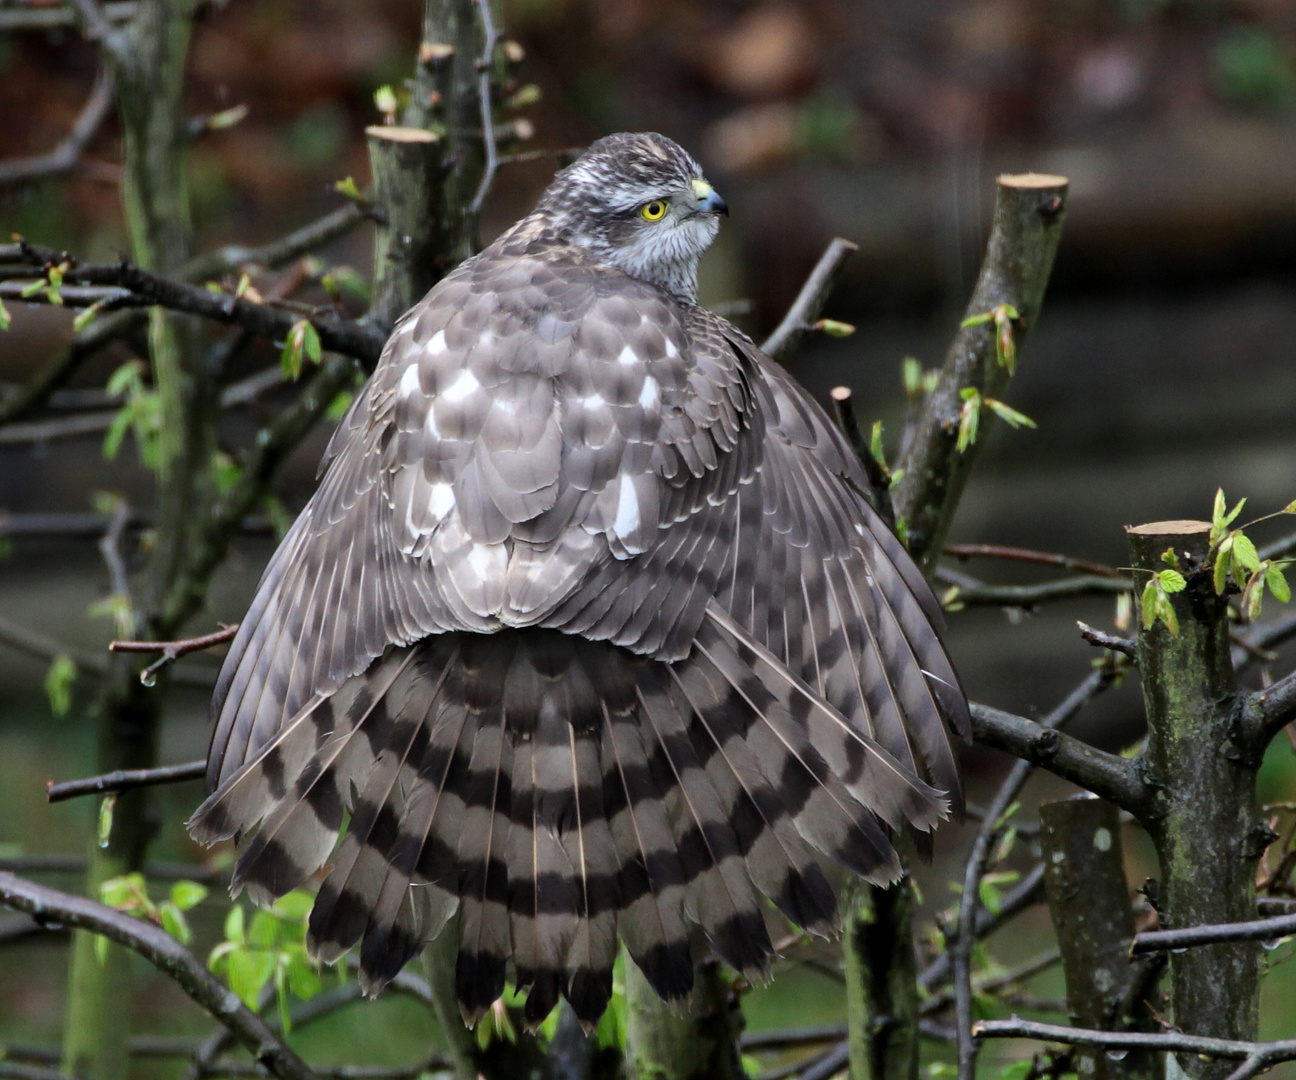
pixel 1262 1055
pixel 974 592
pixel 1106 775
pixel 485 101
pixel 1252 930
pixel 134 287
pixel 963 552
pixel 1268 711
pixel 166 954
pixel 805 309
pixel 124 780
pixel 172 650
pixel 1019 256
pixel 67 154
pixel 13 19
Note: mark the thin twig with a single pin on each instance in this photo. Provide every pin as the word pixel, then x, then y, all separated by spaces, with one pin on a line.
pixel 172 650
pixel 110 549
pixel 1263 638
pixel 1102 639
pixel 1028 892
pixel 165 953
pixel 878 478
pixel 132 286
pixel 485 94
pixel 1257 1056
pixel 124 780
pixel 1213 933
pixel 96 27
pixel 972 591
pixel 963 552
pixel 282 251
pixel 67 154
pixel 810 300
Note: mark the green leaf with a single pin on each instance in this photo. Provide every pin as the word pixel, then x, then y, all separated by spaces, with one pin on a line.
pixel 1171 581
pixel 4 316
pixel 174 923
pixel 84 318
pixel 247 972
pixel 834 328
pixel 234 925
pixel 311 343
pixel 291 357
pixel 1008 414
pixel 875 444
pixel 58 684
pixel 226 118
pixel 1166 613
pixel 1149 604
pixel 32 289
pixel 101 949
pixel 264 931
pixel 294 906
pixel 911 375
pixel 187 894
pixel 1290 508
pixel 117 892
pixel 348 190
pixel 124 377
pixel 106 809
pixel 1221 566
pixel 1244 552
pixel 978 320
pixel 225 471
pixel 969 419
pixel 1277 583
pixel 303 977
pixel 339 405
pixel 385 100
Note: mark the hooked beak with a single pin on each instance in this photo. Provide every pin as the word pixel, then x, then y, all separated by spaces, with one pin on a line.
pixel 709 201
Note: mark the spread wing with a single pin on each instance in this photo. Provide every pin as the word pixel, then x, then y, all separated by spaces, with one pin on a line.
pixel 544 443
pixel 590 631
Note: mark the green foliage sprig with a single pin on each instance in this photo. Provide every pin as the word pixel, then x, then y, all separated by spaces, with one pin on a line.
pixel 129 893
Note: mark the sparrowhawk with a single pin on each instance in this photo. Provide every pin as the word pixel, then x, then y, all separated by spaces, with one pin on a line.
pixel 588 631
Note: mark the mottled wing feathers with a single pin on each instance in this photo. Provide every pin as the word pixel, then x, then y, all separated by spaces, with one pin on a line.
pixel 588 632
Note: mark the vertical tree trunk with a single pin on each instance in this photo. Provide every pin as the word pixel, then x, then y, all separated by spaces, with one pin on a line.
pixel 698 1041
pixel 881 981
pixel 1088 898
pixel 148 63
pixel 1207 831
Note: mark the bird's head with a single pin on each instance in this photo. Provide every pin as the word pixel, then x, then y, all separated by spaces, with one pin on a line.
pixel 637 202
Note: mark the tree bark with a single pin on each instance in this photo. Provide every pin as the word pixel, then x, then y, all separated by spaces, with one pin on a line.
pixel 696 1041
pixel 1088 898
pixel 1206 827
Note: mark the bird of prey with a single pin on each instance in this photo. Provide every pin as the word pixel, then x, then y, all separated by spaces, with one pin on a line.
pixel 588 631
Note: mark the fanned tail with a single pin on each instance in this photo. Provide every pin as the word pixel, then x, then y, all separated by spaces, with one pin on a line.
pixel 557 792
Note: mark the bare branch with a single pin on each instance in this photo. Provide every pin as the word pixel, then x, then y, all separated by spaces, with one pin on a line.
pixel 166 954
pixel 974 592
pixel 963 552
pixel 67 154
pixel 279 252
pixel 76 864
pixel 1106 775
pixel 1268 711
pixel 1263 1055
pixel 810 300
pixel 1019 256
pixel 1124 646
pixel 485 95
pixel 125 779
pixel 96 27
pixel 132 286
pixel 1189 936
pixel 879 480
pixel 172 650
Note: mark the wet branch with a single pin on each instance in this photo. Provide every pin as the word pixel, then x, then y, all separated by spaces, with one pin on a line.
pixel 124 780
pixel 166 954
pixel 1257 1056
pixel 963 552
pixel 1212 934
pixel 172 650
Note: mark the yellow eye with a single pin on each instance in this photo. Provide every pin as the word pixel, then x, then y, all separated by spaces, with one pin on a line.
pixel 653 211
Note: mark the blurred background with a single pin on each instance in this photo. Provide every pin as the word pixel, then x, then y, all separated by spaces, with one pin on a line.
pixel 1164 365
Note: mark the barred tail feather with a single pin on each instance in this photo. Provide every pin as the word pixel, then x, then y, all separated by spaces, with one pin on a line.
pixel 557 792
